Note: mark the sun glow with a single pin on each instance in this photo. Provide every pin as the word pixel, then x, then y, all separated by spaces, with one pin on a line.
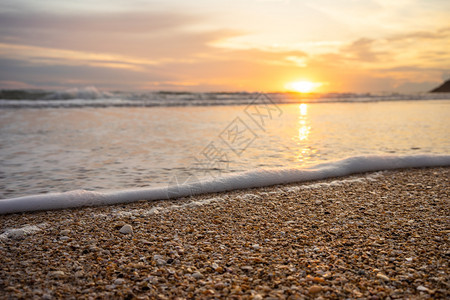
pixel 302 86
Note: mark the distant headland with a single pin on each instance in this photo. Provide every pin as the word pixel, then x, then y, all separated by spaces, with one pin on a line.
pixel 443 88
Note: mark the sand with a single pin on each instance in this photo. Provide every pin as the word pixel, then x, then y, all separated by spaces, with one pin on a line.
pixel 373 236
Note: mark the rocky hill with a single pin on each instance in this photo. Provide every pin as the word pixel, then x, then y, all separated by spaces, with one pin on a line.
pixel 443 88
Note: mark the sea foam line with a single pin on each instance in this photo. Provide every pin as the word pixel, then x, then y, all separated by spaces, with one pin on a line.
pixel 120 213
pixel 244 180
pixel 19 233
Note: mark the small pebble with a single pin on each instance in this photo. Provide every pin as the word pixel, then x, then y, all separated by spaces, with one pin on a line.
pixel 79 273
pixel 126 229
pixel 315 289
pixel 197 275
pixel 422 288
pixel 157 256
pixel 382 276
pixel 161 262
pixel 56 274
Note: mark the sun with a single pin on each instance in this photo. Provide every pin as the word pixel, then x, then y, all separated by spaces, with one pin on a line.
pixel 302 86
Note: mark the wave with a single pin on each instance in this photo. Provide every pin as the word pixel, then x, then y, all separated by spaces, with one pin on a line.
pixel 89 92
pixel 92 97
pixel 244 180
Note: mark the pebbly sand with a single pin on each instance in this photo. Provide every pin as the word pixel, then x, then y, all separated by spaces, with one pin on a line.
pixel 373 236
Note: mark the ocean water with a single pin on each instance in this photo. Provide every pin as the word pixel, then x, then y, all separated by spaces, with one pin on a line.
pixel 47 147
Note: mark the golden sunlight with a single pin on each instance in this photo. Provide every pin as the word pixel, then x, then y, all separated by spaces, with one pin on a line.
pixel 302 86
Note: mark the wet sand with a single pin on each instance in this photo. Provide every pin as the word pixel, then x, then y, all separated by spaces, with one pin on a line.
pixel 373 236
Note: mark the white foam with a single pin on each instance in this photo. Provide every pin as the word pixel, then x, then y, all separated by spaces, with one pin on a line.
pixel 334 183
pixel 249 179
pixel 89 92
pixel 159 209
pixel 119 213
pixel 19 233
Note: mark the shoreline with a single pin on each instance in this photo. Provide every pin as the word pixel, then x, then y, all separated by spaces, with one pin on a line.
pixel 367 235
pixel 257 178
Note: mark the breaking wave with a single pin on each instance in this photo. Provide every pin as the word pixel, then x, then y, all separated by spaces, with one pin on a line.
pixel 92 97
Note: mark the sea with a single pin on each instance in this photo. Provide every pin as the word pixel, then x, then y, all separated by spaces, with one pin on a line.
pixel 91 140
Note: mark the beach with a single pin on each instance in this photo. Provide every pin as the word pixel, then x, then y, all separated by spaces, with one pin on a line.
pixel 224 150
pixel 372 235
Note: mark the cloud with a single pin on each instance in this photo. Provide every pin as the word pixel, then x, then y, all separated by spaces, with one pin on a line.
pixel 146 35
pixel 108 45
pixel 416 87
pixel 58 48
pixel 411 74
pixel 441 33
pixel 9 84
pixel 362 50
pixel 394 50
pixel 49 56
pixel 299 61
pixel 263 56
pixel 445 75
pixel 410 62
pixel 56 75
pixel 125 22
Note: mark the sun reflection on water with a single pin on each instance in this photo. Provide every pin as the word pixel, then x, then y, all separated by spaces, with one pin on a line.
pixel 303 133
pixel 304 129
pixel 303 109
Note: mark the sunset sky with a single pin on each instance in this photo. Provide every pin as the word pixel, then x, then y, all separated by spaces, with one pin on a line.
pixel 232 45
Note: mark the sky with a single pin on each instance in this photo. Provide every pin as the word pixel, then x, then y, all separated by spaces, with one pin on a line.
pixel 230 45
